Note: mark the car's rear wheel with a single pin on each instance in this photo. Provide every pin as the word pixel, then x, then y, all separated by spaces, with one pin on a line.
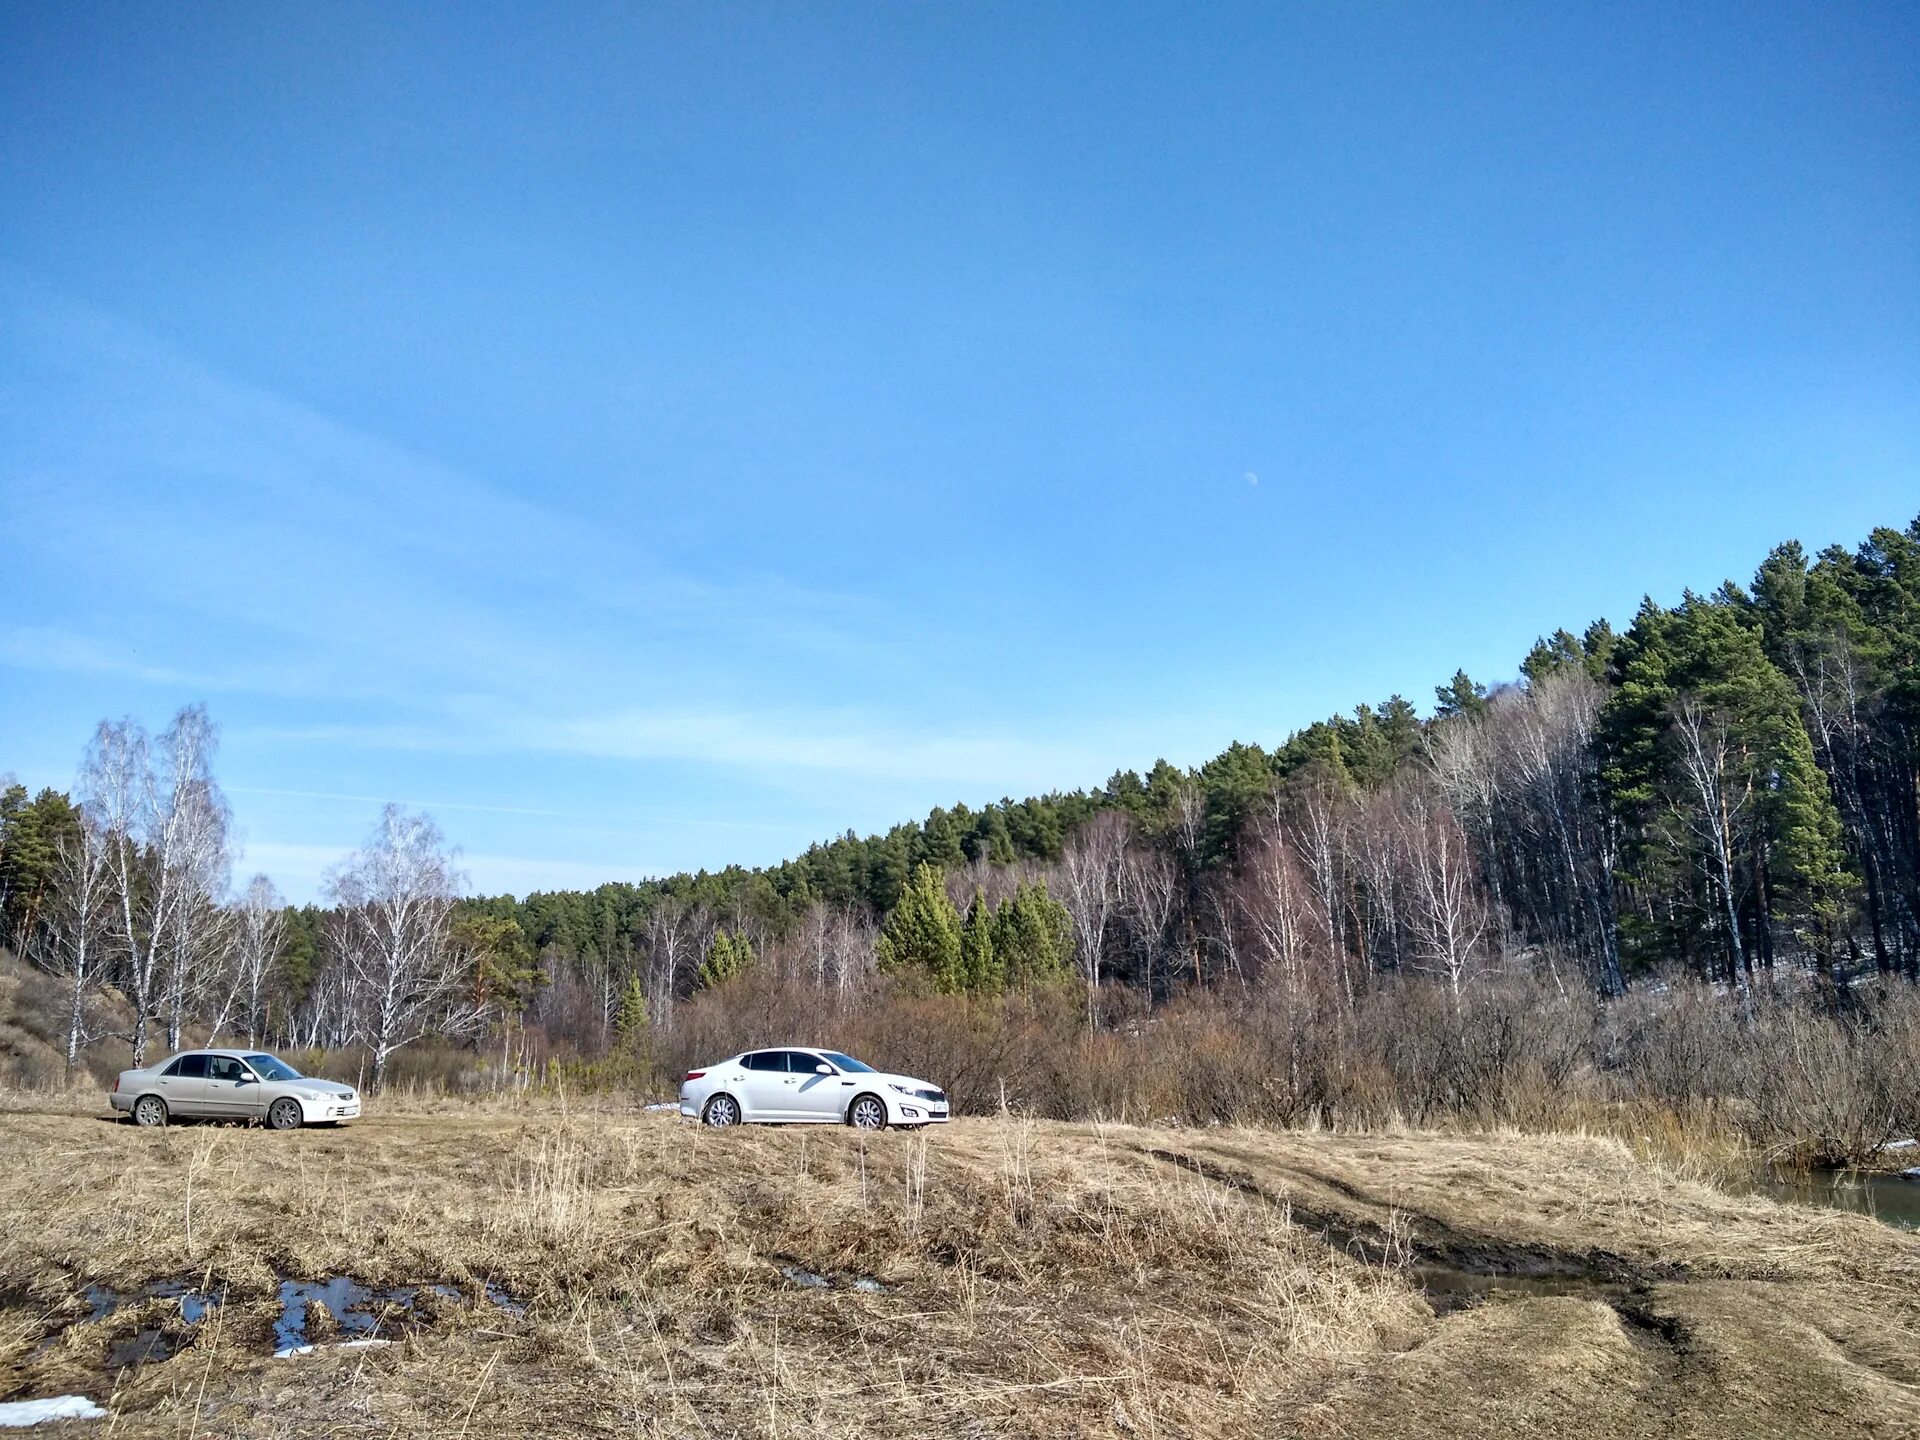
pixel 149 1110
pixel 722 1111
pixel 867 1113
pixel 284 1114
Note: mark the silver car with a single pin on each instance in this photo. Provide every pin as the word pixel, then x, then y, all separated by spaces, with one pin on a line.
pixel 232 1085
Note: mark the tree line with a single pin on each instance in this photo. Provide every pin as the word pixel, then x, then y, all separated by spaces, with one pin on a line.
pixel 1726 788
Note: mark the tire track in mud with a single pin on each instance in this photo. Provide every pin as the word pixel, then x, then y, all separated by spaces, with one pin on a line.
pixel 1457 1269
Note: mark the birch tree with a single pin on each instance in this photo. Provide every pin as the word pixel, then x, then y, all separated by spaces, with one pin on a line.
pixel 1722 791
pixel 73 942
pixel 391 933
pixel 1445 912
pixel 164 823
pixel 262 925
pixel 1280 903
pixel 1091 888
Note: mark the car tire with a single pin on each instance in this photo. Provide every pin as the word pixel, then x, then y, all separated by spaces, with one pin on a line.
pixel 721 1112
pixel 150 1110
pixel 284 1114
pixel 867 1112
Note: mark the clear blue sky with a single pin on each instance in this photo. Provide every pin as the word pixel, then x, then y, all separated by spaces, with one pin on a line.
pixel 657 436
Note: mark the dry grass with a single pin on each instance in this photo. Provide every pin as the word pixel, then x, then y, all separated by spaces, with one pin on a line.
pixel 1040 1280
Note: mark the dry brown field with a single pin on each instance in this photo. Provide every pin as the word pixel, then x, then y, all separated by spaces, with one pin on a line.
pixel 606 1272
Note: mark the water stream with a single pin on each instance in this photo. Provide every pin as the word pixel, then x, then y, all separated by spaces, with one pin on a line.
pixel 1891 1198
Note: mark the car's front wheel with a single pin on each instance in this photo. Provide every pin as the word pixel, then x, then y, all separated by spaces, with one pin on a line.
pixel 284 1114
pixel 149 1110
pixel 867 1113
pixel 722 1111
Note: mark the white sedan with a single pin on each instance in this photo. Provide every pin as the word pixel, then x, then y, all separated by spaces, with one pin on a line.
pixel 805 1086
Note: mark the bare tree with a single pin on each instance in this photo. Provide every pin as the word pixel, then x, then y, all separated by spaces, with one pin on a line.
pixel 676 937
pixel 1282 910
pixel 392 934
pixel 1549 736
pixel 1446 912
pixel 1091 888
pixel 262 932
pixel 1722 792
pixel 1150 890
pixel 80 914
pixel 164 822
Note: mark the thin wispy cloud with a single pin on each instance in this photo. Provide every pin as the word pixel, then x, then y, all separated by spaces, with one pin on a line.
pixel 355 609
pixel 335 564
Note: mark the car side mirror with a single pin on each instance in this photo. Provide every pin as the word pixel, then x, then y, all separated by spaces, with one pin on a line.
pixel 243 1080
pixel 823 1068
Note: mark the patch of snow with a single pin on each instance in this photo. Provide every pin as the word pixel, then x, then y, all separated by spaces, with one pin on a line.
pixel 661 1106
pixel 868 1284
pixel 1912 1172
pixel 1906 1144
pixel 19 1414
pixel 293 1352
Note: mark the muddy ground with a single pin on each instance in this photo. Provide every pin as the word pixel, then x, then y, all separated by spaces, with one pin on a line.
pixel 542 1270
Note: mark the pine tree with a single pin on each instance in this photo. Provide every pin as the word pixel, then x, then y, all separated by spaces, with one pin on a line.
pixel 1033 938
pixel 727 956
pixel 1706 757
pixel 978 962
pixel 631 1022
pixel 923 932
pixel 1550 656
pixel 1460 696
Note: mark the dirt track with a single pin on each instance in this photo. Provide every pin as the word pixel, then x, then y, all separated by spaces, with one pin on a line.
pixel 997 1278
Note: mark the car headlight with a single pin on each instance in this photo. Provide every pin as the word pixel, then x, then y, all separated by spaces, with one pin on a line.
pixel 314 1095
pixel 903 1089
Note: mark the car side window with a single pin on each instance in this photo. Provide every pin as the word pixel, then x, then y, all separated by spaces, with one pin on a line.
pixel 189 1067
pixel 764 1060
pixel 224 1067
pixel 798 1063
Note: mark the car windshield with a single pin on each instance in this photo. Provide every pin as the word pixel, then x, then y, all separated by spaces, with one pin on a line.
pixel 268 1068
pixel 848 1063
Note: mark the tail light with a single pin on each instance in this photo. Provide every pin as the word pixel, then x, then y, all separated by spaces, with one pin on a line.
pixel 116 1086
pixel 693 1075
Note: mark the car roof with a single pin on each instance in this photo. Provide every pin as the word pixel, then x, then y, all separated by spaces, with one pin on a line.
pixel 214 1050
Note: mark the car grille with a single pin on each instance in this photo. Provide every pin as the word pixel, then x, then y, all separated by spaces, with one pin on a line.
pixel 933 1097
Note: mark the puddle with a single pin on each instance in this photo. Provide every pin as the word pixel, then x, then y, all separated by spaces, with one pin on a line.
pixel 359 1310
pixel 344 1298
pixel 500 1298
pixel 150 1343
pixel 809 1280
pixel 354 1313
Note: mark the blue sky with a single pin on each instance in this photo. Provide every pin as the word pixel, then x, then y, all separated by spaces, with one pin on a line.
pixel 651 437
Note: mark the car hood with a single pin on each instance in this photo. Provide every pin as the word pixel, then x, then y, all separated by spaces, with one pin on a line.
pixel 912 1082
pixel 319 1087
